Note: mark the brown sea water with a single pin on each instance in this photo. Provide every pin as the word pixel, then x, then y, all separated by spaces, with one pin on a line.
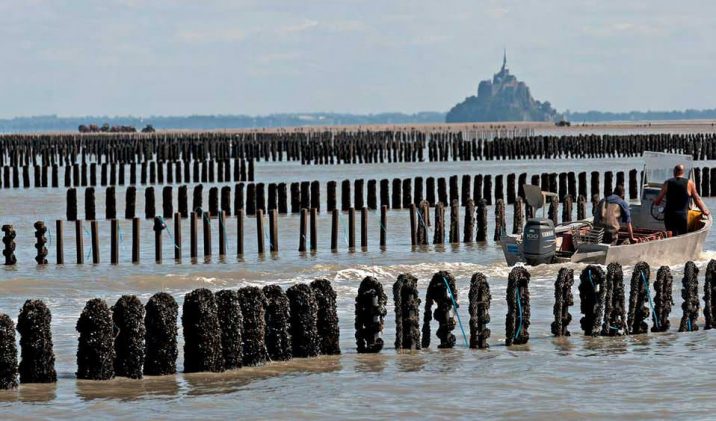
pixel 644 376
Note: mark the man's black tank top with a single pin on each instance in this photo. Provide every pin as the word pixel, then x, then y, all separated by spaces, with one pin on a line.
pixel 677 195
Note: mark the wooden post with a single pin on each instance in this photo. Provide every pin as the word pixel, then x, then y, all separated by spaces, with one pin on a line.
pixel 314 229
pixel 94 229
pixel 207 234
pixel 302 228
pixel 222 234
pixel 177 236
pixel 334 230
pixel 260 230
pixel 351 229
pixel 455 222
pixel 273 230
pixel 193 237
pixel 136 240
pixel 383 225
pixel 59 242
pixel 114 242
pixel 158 228
pixel 240 232
pixel 364 228
pixel 413 226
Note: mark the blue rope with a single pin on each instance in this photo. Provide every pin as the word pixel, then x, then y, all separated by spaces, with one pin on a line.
pixel 651 301
pixel 519 307
pixel 454 306
pixel 688 323
pixel 268 240
pixel 166 227
pixel 345 231
pixel 422 221
pixel 89 252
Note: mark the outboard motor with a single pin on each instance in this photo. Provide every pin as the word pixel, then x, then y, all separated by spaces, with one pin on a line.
pixel 539 242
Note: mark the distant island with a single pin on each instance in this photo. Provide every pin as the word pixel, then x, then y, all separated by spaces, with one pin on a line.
pixel 503 99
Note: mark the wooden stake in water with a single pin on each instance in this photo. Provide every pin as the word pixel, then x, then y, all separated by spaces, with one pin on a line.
pixel 240 232
pixel 94 228
pixel 207 234
pixel 260 230
pixel 302 231
pixel 177 236
pixel 383 226
pixel 334 230
pixel 114 242
pixel 59 242
pixel 136 240
pixel 314 229
pixel 273 230
pixel 222 234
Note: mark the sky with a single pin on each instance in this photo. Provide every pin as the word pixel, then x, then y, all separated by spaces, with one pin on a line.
pixel 256 57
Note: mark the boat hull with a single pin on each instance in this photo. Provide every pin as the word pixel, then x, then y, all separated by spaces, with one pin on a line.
pixel 668 251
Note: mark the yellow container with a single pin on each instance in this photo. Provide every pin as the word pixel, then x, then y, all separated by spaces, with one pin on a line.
pixel 694 220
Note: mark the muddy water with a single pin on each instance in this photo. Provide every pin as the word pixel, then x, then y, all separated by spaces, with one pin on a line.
pixel 654 375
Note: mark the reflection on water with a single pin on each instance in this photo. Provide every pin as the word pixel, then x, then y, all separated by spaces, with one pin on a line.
pixel 370 363
pixel 564 345
pixel 410 361
pixel 36 393
pixel 124 389
pixel 233 380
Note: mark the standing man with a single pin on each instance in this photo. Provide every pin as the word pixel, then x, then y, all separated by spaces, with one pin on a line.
pixel 611 212
pixel 678 191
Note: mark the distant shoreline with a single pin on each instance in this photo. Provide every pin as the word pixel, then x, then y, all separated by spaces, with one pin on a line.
pixel 536 128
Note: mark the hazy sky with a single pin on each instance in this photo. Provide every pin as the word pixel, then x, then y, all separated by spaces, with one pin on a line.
pixel 176 57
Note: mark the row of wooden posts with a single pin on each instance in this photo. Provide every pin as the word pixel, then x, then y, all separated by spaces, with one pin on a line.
pixel 393 194
pixel 338 147
pixel 222 331
pixel 267 238
pixel 250 327
pixel 83 175
pixel 474 229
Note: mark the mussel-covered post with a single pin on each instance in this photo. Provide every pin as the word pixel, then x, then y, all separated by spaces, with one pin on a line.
pixel 202 333
pixel 690 294
pixel 369 315
pixel 563 299
pixel 407 312
pixel 160 324
pixel 95 350
pixel 253 304
pixel 615 319
pixel 38 358
pixel 327 324
pixel 710 295
pixel 231 324
pixel 304 319
pixel 128 318
pixel 8 240
pixel 443 293
pixel 278 323
pixel 592 297
pixel 517 321
pixel 479 308
pixel 8 353
pixel 663 299
pixel 638 299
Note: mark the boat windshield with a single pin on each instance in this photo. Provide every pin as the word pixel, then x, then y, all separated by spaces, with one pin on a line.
pixel 659 166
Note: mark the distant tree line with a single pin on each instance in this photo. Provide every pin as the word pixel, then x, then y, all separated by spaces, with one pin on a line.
pixel 207 122
pixel 600 116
